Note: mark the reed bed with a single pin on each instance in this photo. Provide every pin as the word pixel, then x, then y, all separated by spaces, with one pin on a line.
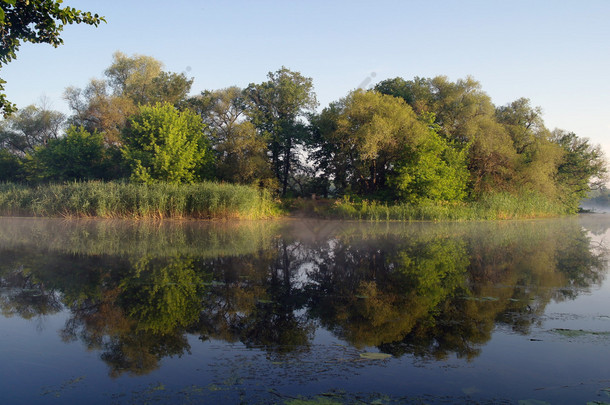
pixel 206 200
pixel 497 206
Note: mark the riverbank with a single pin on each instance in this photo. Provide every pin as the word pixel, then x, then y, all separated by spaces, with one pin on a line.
pixel 205 200
pixel 210 200
pixel 498 206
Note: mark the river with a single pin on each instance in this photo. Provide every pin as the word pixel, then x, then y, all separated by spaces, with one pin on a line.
pixel 304 312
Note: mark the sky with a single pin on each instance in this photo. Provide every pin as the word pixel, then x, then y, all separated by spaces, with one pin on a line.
pixel 555 53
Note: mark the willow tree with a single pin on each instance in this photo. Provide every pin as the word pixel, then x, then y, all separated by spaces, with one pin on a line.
pixel 465 116
pixel 373 141
pixel 582 167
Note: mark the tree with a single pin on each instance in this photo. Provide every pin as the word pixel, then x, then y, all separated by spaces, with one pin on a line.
pixel 241 152
pixel 466 117
pixel 29 128
pixel 105 105
pixel 278 107
pixel 163 144
pixel 97 110
pixel 10 166
pixel 537 158
pixel 79 155
pixel 35 21
pixel 373 141
pixel 523 122
pixel 582 167
pixel 456 105
pixel 141 79
pixel 434 170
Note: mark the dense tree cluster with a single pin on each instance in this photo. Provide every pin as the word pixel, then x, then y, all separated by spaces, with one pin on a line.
pixel 415 141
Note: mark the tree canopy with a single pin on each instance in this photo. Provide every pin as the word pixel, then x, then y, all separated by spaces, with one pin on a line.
pixel 164 144
pixel 277 109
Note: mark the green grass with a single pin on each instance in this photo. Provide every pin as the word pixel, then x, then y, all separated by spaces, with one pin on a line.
pixel 130 200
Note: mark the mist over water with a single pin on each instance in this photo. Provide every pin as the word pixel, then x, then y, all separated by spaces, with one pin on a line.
pixel 269 312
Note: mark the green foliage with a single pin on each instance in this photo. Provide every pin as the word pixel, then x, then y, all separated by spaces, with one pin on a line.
pixel 141 79
pixel 105 105
pixel 35 21
pixel 79 155
pixel 240 151
pixel 434 171
pixel 162 144
pixel 125 200
pixel 464 115
pixel 277 107
pixel 162 295
pixel 583 166
pixel 373 143
pixel 96 109
pixel 426 142
pixel 523 122
pixel 509 148
pixel 494 206
pixel 11 168
pixel 30 127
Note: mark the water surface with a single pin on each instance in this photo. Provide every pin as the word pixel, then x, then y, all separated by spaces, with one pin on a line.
pixel 307 311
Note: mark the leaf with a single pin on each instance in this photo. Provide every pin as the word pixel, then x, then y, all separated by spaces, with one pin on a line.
pixel 375 356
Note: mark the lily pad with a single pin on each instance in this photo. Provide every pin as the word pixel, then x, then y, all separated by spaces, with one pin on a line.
pixel 470 390
pixel 375 356
pixel 532 402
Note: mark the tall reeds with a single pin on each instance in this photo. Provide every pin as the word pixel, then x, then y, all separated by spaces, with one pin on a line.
pixel 206 200
pixel 495 206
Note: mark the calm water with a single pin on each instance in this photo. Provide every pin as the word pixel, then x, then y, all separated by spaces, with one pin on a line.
pixel 300 312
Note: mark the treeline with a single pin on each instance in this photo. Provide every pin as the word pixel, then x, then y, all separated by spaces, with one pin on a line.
pixel 404 141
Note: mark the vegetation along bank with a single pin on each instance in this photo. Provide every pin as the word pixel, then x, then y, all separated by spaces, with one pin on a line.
pixel 138 144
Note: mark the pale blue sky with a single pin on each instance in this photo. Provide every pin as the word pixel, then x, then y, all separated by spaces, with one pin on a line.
pixel 556 53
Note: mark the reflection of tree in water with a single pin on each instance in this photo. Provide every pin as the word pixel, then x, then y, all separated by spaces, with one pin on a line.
pixel 371 295
pixel 433 297
pixel 257 302
pixel 22 294
pixel 433 292
pixel 140 314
